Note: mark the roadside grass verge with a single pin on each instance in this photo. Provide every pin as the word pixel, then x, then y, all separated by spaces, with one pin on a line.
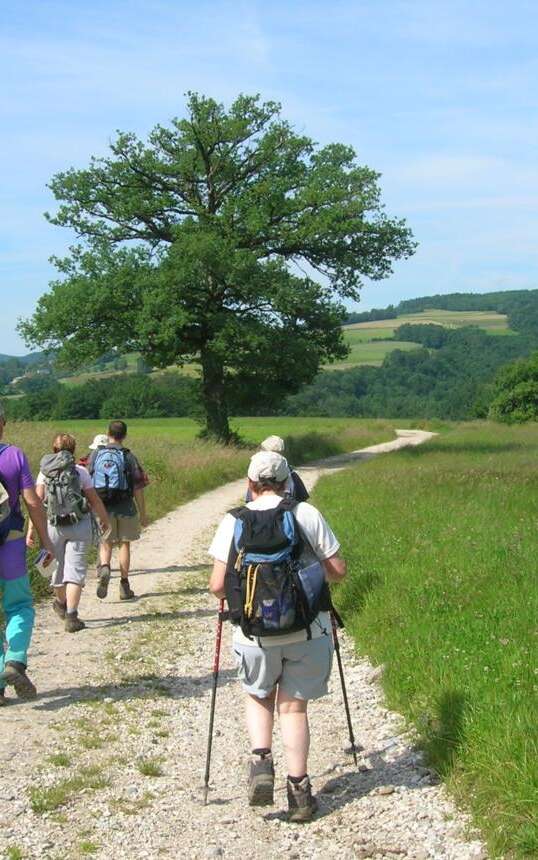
pixel 441 544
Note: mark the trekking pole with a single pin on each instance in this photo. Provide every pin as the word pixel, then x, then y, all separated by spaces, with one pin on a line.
pixel 216 661
pixel 354 747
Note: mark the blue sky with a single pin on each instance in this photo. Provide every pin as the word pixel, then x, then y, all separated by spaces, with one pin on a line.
pixel 438 95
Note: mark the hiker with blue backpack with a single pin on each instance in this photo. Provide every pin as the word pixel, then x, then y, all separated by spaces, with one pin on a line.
pixel 70 500
pixel 16 482
pixel 273 559
pixel 119 481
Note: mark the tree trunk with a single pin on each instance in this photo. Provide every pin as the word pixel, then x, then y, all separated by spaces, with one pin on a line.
pixel 214 396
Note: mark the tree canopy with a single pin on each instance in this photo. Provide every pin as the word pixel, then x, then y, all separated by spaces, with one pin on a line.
pixel 226 238
pixel 516 392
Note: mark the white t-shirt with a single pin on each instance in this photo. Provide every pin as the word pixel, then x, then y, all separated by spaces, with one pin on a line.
pixel 322 544
pixel 84 475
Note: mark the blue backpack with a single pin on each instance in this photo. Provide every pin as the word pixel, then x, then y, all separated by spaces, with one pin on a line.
pixel 10 518
pixel 111 474
pixel 264 589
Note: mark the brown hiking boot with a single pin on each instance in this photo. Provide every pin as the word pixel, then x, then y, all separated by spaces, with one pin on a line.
pixel 126 592
pixel 73 623
pixel 59 608
pixel 103 573
pixel 261 780
pixel 301 804
pixel 14 674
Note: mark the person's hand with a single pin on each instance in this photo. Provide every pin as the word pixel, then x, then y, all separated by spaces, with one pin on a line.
pixel 48 547
pixel 144 521
pixel 30 540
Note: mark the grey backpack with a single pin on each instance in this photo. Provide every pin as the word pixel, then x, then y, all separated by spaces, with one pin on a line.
pixel 65 501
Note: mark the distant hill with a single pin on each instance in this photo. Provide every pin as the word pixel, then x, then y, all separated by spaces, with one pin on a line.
pixel 519 306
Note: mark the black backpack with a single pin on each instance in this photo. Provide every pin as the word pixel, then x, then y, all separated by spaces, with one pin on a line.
pixel 10 518
pixel 263 586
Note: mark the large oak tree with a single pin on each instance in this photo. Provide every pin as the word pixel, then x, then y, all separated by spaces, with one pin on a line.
pixel 227 239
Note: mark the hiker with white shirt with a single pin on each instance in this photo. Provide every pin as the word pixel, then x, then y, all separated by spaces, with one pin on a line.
pixel 69 497
pixel 272 560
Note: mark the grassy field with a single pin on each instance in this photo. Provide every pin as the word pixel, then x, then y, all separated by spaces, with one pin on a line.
pixel 181 466
pixel 441 542
pixel 369 347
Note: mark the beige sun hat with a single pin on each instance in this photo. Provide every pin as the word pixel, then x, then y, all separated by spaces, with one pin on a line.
pixel 268 466
pixel 273 443
pixel 100 441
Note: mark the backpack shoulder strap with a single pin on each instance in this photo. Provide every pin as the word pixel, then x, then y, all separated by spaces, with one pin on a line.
pixel 236 512
pixel 288 503
pixel 4 446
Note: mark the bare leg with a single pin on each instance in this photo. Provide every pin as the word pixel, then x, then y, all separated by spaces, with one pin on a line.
pixel 295 732
pixel 105 552
pixel 73 594
pixel 125 559
pixel 260 717
pixel 59 593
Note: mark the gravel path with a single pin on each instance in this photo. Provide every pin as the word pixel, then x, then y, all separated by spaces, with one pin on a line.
pixel 109 761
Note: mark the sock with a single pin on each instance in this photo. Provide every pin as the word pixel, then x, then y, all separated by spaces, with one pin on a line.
pixel 72 612
pixel 262 752
pixel 297 779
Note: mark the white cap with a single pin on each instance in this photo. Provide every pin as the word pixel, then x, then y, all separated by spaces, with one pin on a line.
pixel 268 466
pixel 273 443
pixel 100 441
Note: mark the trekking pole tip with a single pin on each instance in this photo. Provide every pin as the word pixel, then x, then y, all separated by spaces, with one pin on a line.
pixel 205 793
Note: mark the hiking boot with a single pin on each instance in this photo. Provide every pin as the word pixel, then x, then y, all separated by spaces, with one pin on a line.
pixel 103 572
pixel 59 608
pixel 15 674
pixel 301 804
pixel 261 780
pixel 73 623
pixel 126 592
pixel 3 700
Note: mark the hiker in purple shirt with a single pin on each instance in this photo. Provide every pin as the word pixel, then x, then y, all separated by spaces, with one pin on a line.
pixel 17 603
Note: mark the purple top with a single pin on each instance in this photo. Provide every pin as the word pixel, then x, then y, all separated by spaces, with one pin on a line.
pixel 15 473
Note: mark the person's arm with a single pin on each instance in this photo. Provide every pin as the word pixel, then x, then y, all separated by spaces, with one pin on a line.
pixel 216 581
pixel 97 507
pixel 141 505
pixel 335 568
pixel 37 515
pixel 31 533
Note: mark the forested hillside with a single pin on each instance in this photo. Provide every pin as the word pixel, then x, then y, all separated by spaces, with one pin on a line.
pixel 443 373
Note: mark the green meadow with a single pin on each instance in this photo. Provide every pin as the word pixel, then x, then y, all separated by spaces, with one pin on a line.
pixel 181 466
pixel 442 588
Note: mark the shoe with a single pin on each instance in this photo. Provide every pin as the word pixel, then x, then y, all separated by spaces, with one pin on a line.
pixel 301 804
pixel 59 608
pixel 261 780
pixel 73 623
pixel 103 572
pixel 15 674
pixel 3 700
pixel 126 592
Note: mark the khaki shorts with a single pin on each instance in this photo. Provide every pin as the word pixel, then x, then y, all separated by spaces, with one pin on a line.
pixel 123 529
pixel 301 670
